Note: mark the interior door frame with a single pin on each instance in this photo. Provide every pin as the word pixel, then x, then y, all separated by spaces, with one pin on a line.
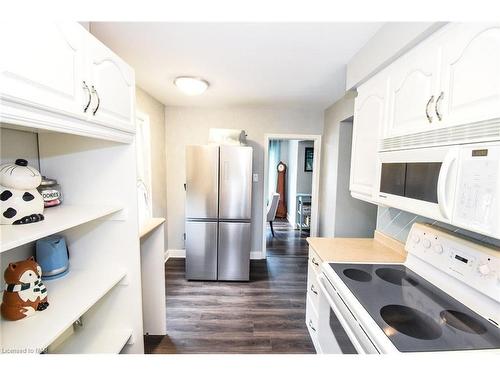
pixel 316 138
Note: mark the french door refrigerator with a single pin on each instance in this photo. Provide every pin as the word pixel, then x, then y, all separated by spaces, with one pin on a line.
pixel 218 212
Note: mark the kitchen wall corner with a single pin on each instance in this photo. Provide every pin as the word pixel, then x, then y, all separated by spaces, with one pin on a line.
pixel 156 111
pixel 352 210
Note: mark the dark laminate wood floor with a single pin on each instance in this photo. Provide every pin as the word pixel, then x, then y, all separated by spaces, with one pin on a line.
pixel 265 315
pixel 287 241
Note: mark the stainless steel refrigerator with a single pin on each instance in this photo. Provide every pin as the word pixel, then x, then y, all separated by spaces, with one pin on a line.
pixel 218 212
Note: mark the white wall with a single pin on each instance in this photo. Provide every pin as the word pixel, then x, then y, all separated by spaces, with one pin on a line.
pixel 189 125
pixel 17 144
pixel 337 208
pixel 353 217
pixel 391 41
pixel 156 112
pixel 291 183
pixel 284 151
pixel 304 179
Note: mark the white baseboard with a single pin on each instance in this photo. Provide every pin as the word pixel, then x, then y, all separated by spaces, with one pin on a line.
pixel 181 253
pixel 175 253
pixel 256 255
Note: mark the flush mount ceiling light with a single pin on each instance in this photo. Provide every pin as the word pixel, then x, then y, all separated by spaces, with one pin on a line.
pixel 191 85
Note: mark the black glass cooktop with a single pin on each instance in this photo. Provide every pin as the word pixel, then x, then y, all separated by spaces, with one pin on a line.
pixel 414 314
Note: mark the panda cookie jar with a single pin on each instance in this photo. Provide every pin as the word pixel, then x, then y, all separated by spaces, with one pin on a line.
pixel 20 201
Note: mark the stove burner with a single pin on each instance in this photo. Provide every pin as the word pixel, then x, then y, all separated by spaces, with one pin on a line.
pixel 462 322
pixel 357 275
pixel 411 322
pixel 395 276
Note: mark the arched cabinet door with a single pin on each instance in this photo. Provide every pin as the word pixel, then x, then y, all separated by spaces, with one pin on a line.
pixel 413 83
pixel 113 87
pixel 42 65
pixel 369 117
pixel 470 74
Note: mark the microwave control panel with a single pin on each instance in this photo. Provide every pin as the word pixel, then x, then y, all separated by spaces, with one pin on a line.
pixel 477 198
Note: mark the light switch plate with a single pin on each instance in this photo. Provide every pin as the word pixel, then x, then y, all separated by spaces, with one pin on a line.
pixel 255 177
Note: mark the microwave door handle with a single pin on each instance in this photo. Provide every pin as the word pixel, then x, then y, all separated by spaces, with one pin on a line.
pixel 444 173
pixel 325 294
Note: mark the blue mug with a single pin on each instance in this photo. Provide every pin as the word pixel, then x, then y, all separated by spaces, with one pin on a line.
pixel 53 257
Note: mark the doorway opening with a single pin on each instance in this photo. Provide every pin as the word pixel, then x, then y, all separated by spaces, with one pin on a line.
pixel 291 188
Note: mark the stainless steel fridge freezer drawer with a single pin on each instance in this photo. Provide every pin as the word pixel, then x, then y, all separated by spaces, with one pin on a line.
pixel 234 251
pixel 201 250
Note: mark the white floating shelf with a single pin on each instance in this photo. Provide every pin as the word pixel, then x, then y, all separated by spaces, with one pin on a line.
pixel 93 341
pixel 56 220
pixel 69 297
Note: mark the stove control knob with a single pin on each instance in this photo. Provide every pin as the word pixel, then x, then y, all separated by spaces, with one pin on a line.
pixel 484 269
pixel 415 238
pixel 438 249
pixel 426 243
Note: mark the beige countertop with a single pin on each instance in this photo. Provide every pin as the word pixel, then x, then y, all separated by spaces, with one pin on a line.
pixel 381 249
pixel 150 225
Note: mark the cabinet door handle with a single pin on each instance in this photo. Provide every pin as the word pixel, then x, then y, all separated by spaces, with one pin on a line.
pixel 86 88
pixel 429 117
pixel 311 325
pixel 313 290
pixel 438 114
pixel 314 262
pixel 94 91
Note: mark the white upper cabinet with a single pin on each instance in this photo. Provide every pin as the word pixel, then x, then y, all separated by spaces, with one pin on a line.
pixel 43 65
pixel 450 79
pixel 112 87
pixel 413 83
pixel 369 116
pixel 59 67
pixel 470 84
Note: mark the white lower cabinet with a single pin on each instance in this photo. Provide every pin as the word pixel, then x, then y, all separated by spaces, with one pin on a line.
pixel 312 287
pixel 313 271
pixel 312 324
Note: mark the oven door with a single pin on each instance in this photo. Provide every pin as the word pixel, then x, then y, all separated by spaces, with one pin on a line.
pixel 420 181
pixel 338 330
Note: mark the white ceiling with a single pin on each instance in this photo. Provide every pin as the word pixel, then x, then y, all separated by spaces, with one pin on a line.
pixel 297 64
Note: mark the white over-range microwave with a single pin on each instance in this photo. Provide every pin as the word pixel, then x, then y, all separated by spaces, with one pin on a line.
pixel 458 184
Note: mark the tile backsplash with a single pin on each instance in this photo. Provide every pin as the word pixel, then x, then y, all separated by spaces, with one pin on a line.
pixel 397 224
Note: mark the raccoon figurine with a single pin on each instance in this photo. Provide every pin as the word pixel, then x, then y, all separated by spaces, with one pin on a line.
pixel 24 292
pixel 20 201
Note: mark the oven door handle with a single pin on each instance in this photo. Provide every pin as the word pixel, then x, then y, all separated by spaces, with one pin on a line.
pixel 321 282
pixel 442 186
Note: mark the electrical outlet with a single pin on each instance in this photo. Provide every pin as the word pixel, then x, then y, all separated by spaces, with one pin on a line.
pixel 255 177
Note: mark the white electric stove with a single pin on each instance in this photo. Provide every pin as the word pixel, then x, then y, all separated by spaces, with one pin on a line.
pixel 445 297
